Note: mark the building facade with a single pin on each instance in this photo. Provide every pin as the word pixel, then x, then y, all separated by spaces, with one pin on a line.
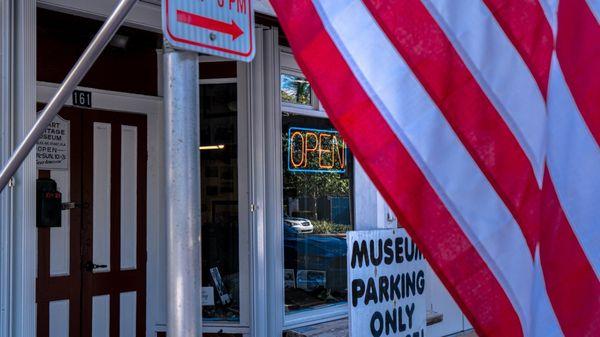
pixel 279 187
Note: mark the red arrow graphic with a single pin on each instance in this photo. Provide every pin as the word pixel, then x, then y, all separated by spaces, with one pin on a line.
pixel 207 23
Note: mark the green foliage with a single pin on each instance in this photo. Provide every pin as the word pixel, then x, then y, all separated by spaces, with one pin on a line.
pixel 316 184
pixel 326 227
pixel 295 89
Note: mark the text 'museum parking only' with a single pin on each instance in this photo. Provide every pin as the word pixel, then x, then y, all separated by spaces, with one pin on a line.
pixel 386 283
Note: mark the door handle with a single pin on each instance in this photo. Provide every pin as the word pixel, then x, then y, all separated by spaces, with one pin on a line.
pixel 90 266
pixel 72 205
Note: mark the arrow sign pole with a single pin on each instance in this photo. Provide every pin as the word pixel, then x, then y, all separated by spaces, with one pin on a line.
pixel 211 24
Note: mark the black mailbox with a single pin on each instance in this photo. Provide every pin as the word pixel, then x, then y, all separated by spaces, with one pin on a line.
pixel 49 204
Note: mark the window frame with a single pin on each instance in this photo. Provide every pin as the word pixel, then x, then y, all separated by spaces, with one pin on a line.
pixel 243 325
pixel 288 65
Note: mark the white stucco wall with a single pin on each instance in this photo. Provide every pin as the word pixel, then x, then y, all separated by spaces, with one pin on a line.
pixel 372 212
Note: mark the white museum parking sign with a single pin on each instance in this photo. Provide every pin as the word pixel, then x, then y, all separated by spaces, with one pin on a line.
pixel 386 284
pixel 53 147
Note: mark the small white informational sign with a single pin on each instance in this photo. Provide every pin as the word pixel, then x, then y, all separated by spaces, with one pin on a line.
pixel 53 146
pixel 311 279
pixel 208 296
pixel 217 27
pixel 386 284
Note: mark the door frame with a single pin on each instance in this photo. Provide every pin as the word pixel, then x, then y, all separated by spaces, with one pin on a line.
pixel 151 107
pixel 244 325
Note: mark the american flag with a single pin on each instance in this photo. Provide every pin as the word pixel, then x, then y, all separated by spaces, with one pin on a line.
pixel 479 122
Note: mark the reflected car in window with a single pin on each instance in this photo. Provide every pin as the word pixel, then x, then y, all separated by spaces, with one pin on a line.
pixel 299 225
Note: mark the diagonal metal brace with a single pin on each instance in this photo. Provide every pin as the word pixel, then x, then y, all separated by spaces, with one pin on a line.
pixel 79 70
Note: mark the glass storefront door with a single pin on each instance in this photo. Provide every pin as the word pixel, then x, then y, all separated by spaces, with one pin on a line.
pixel 317 213
pixel 315 203
pixel 224 205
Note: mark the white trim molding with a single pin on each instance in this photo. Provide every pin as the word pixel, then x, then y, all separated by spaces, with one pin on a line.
pixel 274 195
pixel 144 15
pixel 106 100
pixel 264 7
pixel 253 78
pixel 228 80
pixel 5 150
pixel 24 232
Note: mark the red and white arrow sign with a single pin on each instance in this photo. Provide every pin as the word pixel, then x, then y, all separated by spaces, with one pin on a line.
pixel 222 28
pixel 207 23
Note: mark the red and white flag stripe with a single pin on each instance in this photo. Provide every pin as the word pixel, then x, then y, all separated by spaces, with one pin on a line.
pixel 483 138
pixel 573 161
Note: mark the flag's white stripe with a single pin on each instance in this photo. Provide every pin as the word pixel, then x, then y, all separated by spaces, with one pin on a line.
pixel 544 321
pixel 499 69
pixel 429 138
pixel 574 165
pixel 550 9
pixel 595 8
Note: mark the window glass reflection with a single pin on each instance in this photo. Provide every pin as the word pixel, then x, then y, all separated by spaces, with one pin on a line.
pixel 317 204
pixel 295 89
pixel 219 198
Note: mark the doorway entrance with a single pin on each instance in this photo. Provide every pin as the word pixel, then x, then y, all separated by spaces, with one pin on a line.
pixel 91 278
pixel 225 204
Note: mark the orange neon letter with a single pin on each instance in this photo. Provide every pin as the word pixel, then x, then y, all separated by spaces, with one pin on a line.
pixel 294 164
pixel 310 149
pixel 340 144
pixel 321 151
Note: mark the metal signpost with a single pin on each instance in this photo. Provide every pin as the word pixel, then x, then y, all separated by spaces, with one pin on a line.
pixel 181 122
pixel 222 28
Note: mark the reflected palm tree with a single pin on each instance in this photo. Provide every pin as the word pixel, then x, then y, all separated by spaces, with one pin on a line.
pixel 295 89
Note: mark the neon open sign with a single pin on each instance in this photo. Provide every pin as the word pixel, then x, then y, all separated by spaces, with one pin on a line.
pixel 316 151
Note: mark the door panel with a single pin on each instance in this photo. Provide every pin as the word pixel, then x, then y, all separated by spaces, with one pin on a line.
pixel 101 316
pixel 127 318
pixel 129 191
pixel 101 200
pixel 60 237
pixel 114 227
pixel 58 314
pixel 92 270
pixel 58 283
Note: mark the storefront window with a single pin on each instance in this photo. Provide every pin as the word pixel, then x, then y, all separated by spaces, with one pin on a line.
pixel 295 89
pixel 219 197
pixel 317 206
